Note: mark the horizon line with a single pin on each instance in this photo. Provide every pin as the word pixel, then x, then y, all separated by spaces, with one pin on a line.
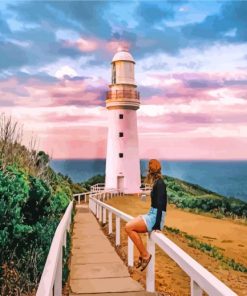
pixel 172 159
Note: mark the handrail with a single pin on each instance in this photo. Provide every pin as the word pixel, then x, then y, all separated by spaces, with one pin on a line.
pixel 52 272
pixel 97 187
pixel 146 189
pixel 104 193
pixel 201 278
pixel 81 194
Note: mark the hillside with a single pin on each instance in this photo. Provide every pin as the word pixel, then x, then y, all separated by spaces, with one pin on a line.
pixel 196 198
pixel 220 245
pixel 193 197
pixel 33 199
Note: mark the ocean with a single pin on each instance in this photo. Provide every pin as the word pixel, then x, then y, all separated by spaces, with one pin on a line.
pixel 228 178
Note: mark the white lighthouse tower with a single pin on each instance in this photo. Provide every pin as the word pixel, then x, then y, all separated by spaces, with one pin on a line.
pixel 122 101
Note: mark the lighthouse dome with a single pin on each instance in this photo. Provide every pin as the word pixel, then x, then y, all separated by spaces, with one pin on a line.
pixel 123 55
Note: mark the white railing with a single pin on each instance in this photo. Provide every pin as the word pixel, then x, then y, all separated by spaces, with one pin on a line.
pixel 102 195
pixel 145 189
pixel 97 187
pixel 51 279
pixel 100 187
pixel 82 195
pixel 201 278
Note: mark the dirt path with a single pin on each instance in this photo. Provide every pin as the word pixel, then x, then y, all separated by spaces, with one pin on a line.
pixel 227 235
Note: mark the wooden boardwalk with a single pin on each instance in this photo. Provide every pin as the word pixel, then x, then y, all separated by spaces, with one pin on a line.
pixel 95 266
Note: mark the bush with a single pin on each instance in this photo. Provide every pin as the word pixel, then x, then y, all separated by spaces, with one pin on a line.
pixel 93 180
pixel 30 211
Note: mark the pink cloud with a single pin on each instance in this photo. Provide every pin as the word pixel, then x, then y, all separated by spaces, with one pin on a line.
pixel 114 45
pixel 202 119
pixel 90 45
pixel 193 148
pixel 84 45
pixel 67 91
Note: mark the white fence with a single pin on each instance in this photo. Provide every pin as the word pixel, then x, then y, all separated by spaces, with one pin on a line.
pixel 51 279
pixel 79 196
pixel 145 189
pixel 97 187
pixel 100 188
pixel 201 279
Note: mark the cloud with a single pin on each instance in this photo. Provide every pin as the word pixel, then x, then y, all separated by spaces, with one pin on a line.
pixel 203 84
pixel 43 90
pixel 76 15
pixel 83 44
pixel 229 25
pixel 14 56
pixel 4 28
pixel 57 58
pixel 152 13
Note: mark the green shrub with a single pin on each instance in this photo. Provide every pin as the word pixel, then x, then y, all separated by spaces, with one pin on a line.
pixel 30 211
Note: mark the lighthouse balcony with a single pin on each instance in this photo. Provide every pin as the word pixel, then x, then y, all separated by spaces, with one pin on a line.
pixel 123 95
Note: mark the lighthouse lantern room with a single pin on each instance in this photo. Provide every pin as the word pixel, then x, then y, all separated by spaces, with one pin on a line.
pixel 122 101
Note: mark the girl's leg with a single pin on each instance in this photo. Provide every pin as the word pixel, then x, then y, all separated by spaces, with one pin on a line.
pixel 133 228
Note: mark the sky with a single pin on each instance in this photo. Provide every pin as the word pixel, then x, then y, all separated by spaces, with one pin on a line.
pixel 191 71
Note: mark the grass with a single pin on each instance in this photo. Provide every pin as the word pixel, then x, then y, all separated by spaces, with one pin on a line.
pixel 195 198
pixel 209 249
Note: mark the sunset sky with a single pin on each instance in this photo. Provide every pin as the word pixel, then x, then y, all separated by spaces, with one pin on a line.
pixel 191 71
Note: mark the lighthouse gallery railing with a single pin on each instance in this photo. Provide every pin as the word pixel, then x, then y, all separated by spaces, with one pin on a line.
pixel 122 94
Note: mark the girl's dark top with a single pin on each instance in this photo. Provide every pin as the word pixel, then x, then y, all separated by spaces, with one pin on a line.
pixel 159 200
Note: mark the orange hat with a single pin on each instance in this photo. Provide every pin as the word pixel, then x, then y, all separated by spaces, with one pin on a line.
pixel 154 166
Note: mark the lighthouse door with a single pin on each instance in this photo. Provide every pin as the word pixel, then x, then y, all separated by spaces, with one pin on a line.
pixel 120 183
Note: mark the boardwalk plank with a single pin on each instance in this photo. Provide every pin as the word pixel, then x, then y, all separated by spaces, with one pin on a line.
pixel 95 266
pixel 99 270
pixel 105 285
pixel 140 293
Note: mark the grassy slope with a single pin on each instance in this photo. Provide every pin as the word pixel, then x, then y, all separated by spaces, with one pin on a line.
pixel 189 188
pixel 196 198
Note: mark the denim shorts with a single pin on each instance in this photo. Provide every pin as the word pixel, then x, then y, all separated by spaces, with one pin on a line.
pixel 150 219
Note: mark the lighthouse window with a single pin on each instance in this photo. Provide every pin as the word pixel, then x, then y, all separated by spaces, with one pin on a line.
pixel 120 116
pixel 120 134
pixel 113 73
pixel 120 155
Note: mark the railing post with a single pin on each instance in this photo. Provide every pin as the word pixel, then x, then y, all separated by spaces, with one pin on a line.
pixel 64 239
pixel 92 204
pixel 117 231
pixel 97 210
pixel 95 207
pixel 104 215
pixel 100 213
pixel 130 252
pixel 150 275
pixel 195 288
pixel 109 222
pixel 79 199
pixel 58 277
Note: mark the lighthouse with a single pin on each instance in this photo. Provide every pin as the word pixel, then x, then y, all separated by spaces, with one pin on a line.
pixel 122 102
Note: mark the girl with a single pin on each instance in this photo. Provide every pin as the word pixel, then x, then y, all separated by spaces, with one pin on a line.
pixel 154 219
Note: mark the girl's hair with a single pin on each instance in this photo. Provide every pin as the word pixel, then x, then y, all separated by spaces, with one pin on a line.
pixel 154 171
